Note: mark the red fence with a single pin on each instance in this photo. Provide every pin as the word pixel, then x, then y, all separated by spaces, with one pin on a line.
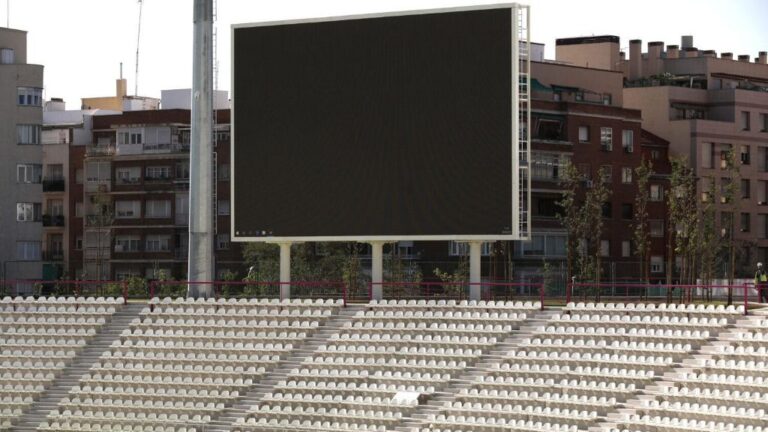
pixel 65 288
pixel 745 293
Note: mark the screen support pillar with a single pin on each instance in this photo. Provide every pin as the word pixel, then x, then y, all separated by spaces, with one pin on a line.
pixel 475 251
pixel 377 270
pixel 285 270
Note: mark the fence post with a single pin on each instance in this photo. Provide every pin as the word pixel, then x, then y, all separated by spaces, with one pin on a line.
pixel 568 289
pixel 151 295
pixel 125 291
pixel 746 298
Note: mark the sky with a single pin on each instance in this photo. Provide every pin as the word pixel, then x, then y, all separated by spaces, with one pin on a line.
pixel 81 43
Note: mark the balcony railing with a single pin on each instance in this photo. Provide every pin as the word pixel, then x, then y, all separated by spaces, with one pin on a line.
pixel 53 255
pixel 94 151
pixel 97 221
pixel 166 148
pixel 53 220
pixel 53 184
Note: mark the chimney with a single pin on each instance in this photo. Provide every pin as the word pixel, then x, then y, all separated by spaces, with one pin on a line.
pixel 672 52
pixel 708 53
pixel 121 87
pixel 654 55
pixel 55 104
pixel 726 56
pixel 691 52
pixel 686 42
pixel 762 57
pixel 744 58
pixel 635 60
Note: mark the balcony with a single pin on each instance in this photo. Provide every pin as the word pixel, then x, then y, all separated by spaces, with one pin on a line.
pixel 97 221
pixel 180 253
pixel 53 184
pixel 157 179
pixel 53 255
pixel 166 148
pixel 53 221
pixel 100 150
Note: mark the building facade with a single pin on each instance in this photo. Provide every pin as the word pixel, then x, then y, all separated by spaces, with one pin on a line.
pixel 21 191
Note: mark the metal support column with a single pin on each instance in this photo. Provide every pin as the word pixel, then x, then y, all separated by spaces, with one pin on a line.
pixel 285 270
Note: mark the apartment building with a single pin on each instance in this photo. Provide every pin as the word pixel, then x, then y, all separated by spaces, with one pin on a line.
pixel 707 106
pixel 21 194
pixel 130 200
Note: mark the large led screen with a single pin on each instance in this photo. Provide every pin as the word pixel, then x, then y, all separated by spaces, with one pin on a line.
pixel 396 126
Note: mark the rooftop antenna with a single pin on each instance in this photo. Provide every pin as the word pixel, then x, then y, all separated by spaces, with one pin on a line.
pixel 138 40
pixel 8 13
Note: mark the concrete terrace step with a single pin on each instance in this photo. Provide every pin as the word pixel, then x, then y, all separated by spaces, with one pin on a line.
pixel 70 376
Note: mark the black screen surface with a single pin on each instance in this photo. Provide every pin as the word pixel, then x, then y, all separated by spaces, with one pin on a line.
pixel 384 126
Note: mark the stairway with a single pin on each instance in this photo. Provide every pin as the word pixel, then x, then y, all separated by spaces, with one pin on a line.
pixel 70 376
pixel 493 356
pixel 239 409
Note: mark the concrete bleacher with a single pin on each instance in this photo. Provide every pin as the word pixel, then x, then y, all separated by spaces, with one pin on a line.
pixel 93 364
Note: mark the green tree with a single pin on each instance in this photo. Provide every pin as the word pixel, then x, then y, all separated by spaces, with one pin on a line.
pixel 683 225
pixel 731 196
pixel 642 237
pixel 592 217
pixel 570 214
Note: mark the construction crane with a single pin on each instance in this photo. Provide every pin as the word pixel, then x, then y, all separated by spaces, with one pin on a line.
pixel 138 43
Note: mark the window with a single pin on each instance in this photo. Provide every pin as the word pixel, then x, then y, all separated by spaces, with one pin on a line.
pixel 222 208
pixel 182 170
pixel 607 210
pixel 745 154
pixel 222 241
pixel 7 56
pixel 657 264
pixel 579 96
pixel 626 211
pixel 745 222
pixel 28 250
pixel 98 171
pixel 605 248
pixel 628 141
pixel 127 209
pixel 547 207
pixel 128 175
pixel 745 192
pixel 130 136
pixel 655 154
pixel 583 134
pixel 55 207
pixel 656 227
pixel 126 273
pixel 405 248
pixel 657 192
pixel 708 155
pixel 79 176
pixel 462 248
pixel 223 172
pixel 127 243
pixel 27 134
pixel 626 249
pixel 79 209
pixel 29 173
pixel 763 122
pixel 54 172
pixel 606 138
pixel 585 171
pixel 626 175
pixel 550 129
pixel 30 96
pixel 158 173
pixel 745 120
pixel 29 212
pixel 547 166
pixel 79 242
pixel 158 243
pixel 607 99
pixel 157 209
pixel 607 173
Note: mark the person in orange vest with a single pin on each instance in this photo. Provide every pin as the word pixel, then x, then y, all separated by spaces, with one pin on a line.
pixel 761 283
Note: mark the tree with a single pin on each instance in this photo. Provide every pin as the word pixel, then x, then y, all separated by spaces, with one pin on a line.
pixel 682 231
pixel 641 229
pixel 102 218
pixel 709 241
pixel 570 216
pixel 592 217
pixel 731 190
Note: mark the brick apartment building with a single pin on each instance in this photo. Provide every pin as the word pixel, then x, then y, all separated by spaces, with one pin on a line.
pixel 130 198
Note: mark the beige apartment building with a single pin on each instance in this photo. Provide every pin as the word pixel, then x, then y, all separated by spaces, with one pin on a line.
pixel 704 104
pixel 21 118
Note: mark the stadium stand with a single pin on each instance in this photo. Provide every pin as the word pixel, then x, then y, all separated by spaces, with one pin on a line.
pixel 41 338
pixel 392 347
pixel 254 365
